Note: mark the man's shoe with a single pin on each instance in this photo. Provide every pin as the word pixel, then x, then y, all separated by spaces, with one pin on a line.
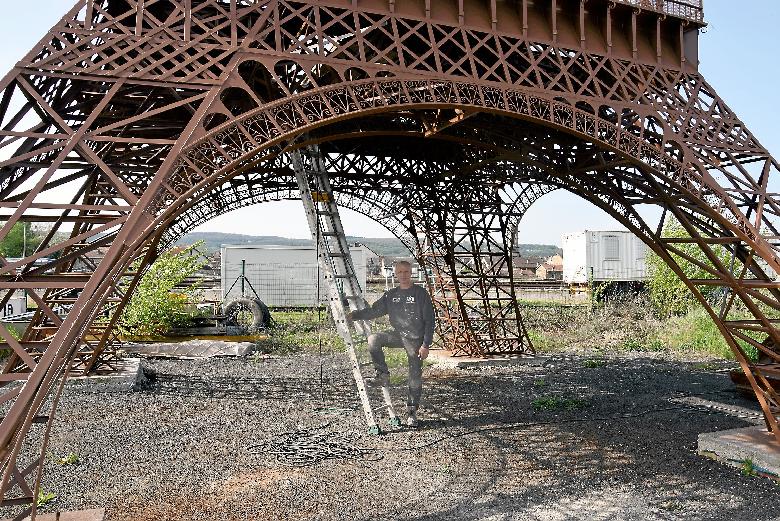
pixel 411 420
pixel 380 380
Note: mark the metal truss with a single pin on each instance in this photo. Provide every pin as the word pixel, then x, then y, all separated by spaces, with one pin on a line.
pixel 474 296
pixel 129 119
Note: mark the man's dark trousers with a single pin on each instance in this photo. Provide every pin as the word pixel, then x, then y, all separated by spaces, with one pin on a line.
pixel 392 338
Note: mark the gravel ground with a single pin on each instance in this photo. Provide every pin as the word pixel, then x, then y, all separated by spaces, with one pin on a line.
pixel 189 445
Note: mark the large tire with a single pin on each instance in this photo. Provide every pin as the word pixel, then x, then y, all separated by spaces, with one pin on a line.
pixel 261 316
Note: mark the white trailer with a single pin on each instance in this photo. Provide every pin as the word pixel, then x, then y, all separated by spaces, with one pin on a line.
pixel 602 256
pixel 281 275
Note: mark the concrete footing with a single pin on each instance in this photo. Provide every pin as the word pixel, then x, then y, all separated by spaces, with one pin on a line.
pixel 122 380
pixel 446 360
pixel 191 349
pixel 753 449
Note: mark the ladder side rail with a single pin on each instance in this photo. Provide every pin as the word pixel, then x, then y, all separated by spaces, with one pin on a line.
pixel 334 297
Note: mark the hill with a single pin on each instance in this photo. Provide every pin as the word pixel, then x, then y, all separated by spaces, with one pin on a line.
pixel 213 240
pixel 383 246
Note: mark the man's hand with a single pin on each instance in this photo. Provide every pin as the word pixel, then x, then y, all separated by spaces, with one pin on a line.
pixel 350 316
pixel 423 353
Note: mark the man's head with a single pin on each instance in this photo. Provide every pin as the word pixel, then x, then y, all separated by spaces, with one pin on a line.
pixel 403 272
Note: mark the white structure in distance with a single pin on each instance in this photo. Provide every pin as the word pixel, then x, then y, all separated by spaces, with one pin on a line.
pixel 603 256
pixel 284 276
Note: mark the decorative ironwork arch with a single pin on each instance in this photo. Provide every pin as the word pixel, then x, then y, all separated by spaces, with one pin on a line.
pixel 129 112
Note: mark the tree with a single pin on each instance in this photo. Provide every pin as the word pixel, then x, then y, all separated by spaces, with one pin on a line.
pixel 155 307
pixel 20 241
pixel 668 293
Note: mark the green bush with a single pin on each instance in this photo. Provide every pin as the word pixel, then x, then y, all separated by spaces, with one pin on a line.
pixel 668 293
pixel 155 307
pixel 557 403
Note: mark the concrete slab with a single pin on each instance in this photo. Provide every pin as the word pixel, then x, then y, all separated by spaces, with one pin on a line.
pixel 96 514
pixel 754 416
pixel 191 350
pixel 738 446
pixel 121 380
pixel 445 359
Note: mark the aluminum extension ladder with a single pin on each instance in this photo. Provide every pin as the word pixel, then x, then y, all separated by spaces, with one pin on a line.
pixel 336 264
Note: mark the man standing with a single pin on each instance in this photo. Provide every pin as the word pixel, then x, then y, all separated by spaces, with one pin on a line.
pixel 411 315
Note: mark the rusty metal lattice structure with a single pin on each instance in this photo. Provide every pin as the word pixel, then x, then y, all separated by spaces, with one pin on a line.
pixel 133 120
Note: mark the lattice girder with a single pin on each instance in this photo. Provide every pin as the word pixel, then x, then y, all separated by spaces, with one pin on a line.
pixel 129 113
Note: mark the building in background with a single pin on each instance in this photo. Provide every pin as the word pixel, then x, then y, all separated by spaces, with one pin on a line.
pixel 551 269
pixel 603 256
pixel 525 267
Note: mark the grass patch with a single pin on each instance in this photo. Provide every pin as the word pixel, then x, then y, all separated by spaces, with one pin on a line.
pixel 695 332
pixel 748 468
pixel 558 403
pixel 539 382
pixel 629 325
pixel 541 342
pixel 299 331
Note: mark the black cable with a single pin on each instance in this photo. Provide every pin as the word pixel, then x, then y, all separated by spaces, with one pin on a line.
pixel 305 447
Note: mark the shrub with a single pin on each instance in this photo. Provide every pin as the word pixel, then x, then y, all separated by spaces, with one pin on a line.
pixel 668 293
pixel 154 307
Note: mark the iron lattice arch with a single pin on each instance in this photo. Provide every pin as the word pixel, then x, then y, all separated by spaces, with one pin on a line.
pixel 129 113
pixel 469 253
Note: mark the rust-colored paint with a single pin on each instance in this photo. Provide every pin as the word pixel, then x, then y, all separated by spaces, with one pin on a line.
pixel 132 122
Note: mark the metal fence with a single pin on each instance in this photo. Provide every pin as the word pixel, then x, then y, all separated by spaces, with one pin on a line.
pixel 277 284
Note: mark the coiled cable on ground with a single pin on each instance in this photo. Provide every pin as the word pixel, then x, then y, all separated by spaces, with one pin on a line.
pixel 303 448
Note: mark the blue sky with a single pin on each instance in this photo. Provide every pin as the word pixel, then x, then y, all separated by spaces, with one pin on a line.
pixel 738 56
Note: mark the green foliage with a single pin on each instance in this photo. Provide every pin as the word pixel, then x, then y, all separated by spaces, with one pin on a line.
pixel 695 332
pixel 632 344
pixel 748 468
pixel 21 239
pixel 155 307
pixel 556 403
pixel 44 498
pixel 296 331
pixel 70 459
pixel 668 293
pixel 599 290
pixel 541 342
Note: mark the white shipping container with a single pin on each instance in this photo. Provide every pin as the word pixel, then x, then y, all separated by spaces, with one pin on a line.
pixel 281 275
pixel 603 256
